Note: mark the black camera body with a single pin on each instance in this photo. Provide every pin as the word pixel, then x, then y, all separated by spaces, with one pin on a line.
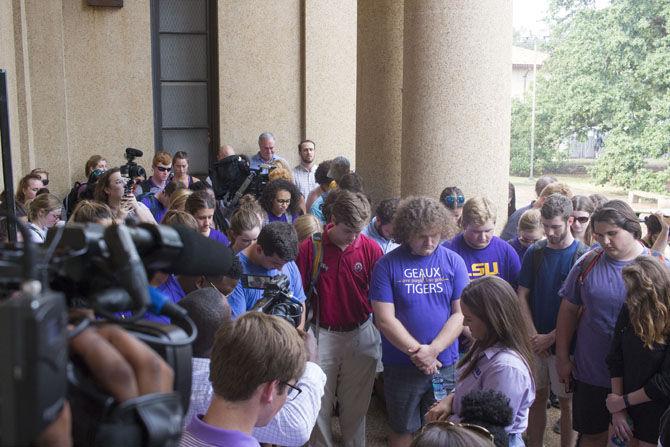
pixel 232 178
pixel 34 350
pixel 277 298
pixel 131 170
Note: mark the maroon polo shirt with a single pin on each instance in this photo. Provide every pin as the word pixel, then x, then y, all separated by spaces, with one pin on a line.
pixel 344 281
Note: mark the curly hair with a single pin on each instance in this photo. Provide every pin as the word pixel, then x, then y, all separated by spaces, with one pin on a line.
pixel 416 215
pixel 386 210
pixel 271 190
pixel 279 238
pixel 321 173
pixel 489 409
pixel 648 299
pixel 556 205
pixel 450 191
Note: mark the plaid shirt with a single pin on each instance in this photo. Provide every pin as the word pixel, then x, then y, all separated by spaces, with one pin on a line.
pixel 304 179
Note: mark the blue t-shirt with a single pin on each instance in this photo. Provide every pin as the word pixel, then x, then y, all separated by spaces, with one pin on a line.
pixel 421 289
pixel 544 300
pixel 316 209
pixel 155 206
pixel 242 300
pixel 498 258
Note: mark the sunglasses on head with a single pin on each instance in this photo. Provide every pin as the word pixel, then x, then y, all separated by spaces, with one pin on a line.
pixel 448 425
pixel 582 219
pixel 458 200
pixel 163 169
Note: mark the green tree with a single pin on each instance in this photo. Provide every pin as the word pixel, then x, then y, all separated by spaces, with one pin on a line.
pixel 610 70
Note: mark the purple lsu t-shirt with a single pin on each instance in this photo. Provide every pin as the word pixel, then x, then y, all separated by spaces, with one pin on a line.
pixel 602 295
pixel 421 289
pixel 219 237
pixel 497 259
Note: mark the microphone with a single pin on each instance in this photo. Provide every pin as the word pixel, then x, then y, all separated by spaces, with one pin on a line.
pixel 181 251
pixel 162 305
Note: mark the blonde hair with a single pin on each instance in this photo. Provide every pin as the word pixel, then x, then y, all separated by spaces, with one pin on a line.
pixel 281 171
pixel 43 202
pixel 530 220
pixel 91 211
pixel 306 225
pixel 556 188
pixel 648 299
pixel 477 211
pixel 178 199
pixel 178 217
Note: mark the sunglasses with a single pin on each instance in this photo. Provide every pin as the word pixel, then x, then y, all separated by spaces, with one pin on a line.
pixel 582 219
pixel 448 425
pixel 455 200
pixel 163 169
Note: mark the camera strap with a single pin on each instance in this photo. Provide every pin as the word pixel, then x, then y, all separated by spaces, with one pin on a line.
pixel 317 260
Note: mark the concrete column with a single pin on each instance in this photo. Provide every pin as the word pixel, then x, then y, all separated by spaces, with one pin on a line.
pixel 330 77
pixel 456 97
pixel 379 96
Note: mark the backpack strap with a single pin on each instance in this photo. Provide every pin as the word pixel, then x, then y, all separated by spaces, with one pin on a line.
pixel 586 265
pixel 538 253
pixel 313 294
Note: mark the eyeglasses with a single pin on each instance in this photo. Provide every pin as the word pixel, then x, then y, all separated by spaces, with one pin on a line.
pixel 458 200
pixel 448 425
pixel 163 168
pixel 283 201
pixel 582 219
pixel 293 391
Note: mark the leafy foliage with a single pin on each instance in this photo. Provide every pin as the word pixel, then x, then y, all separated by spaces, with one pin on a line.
pixel 609 70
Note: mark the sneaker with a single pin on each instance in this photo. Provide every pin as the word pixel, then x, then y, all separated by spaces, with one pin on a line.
pixel 554 401
pixel 557 427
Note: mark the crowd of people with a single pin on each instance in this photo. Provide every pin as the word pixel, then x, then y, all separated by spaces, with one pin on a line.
pixel 570 303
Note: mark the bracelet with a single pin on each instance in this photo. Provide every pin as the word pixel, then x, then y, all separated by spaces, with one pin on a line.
pixel 625 400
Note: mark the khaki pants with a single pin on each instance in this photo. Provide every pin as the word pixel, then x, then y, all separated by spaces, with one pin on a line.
pixel 349 360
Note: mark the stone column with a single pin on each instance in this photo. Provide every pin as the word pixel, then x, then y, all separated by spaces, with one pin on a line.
pixel 379 96
pixel 456 97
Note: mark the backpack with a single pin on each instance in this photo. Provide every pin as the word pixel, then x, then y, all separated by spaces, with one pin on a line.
pixel 70 201
pixel 312 294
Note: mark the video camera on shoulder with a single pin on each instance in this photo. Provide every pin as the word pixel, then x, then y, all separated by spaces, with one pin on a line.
pixel 277 298
pixel 105 270
pixel 232 178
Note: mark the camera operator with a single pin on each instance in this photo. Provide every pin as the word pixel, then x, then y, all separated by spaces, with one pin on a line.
pixel 110 190
pixel 273 253
pixel 121 365
pixel 292 425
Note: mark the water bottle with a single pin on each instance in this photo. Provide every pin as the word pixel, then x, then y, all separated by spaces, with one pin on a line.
pixel 439 390
pixel 616 440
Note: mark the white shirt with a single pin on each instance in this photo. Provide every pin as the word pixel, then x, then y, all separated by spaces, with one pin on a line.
pixel 304 179
pixel 293 423
pixel 37 234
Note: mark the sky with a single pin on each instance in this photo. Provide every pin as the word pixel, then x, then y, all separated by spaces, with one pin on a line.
pixel 529 15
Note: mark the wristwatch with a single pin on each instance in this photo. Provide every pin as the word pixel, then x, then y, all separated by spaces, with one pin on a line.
pixel 625 400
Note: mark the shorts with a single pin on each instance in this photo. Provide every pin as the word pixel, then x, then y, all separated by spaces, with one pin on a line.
pixel 409 395
pixel 589 413
pixel 546 375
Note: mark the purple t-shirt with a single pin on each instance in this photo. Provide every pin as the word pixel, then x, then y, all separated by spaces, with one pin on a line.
pixel 219 237
pixel 421 289
pixel 200 434
pixel 602 295
pixel 288 218
pixel 502 370
pixel 498 258
pixel 518 247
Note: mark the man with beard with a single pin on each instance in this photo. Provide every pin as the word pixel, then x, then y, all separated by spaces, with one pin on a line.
pixel 303 174
pixel 545 266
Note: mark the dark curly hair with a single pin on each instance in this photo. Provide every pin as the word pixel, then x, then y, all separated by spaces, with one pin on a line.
pixel 271 190
pixel 386 210
pixel 418 214
pixel 321 173
pixel 279 238
pixel 489 409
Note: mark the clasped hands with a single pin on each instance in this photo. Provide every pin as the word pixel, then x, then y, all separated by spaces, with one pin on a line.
pixel 424 357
